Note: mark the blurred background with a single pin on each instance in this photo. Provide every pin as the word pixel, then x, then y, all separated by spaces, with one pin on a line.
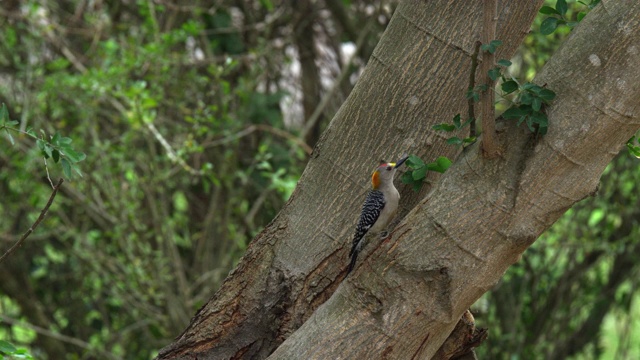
pixel 197 118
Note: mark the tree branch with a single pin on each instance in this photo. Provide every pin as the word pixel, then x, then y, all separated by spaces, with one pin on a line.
pixel 43 213
pixel 266 128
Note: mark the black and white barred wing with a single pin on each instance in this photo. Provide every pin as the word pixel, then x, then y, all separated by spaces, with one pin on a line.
pixel 373 205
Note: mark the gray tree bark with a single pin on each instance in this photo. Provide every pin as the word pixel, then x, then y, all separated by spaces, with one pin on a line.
pixel 287 297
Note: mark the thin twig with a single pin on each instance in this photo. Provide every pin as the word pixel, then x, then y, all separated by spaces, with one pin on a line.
pixel 173 156
pixel 43 213
pixel 262 127
pixel 46 168
pixel 472 85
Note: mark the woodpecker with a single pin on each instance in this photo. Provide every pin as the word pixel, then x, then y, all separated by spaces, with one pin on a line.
pixel 379 207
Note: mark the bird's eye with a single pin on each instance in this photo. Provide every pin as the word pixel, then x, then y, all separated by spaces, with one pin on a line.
pixel 389 168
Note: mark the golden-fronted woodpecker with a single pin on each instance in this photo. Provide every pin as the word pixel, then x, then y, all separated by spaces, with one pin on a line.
pixel 379 207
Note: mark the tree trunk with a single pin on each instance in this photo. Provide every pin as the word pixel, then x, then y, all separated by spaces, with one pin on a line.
pixel 409 291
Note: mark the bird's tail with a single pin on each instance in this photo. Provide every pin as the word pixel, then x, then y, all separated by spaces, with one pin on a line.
pixel 355 249
pixel 352 264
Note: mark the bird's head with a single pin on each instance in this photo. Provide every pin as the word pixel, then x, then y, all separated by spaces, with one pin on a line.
pixel 384 173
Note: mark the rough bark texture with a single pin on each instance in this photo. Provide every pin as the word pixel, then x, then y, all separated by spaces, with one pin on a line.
pixel 409 291
pixel 490 148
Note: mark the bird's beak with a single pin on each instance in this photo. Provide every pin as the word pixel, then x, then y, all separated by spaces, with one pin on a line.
pixel 401 161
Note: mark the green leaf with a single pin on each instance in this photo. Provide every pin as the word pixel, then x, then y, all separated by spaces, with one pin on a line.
pixel 440 165
pixel 419 173
pixel 593 4
pixel 530 125
pixel 509 86
pixel 56 155
pixel 542 130
pixel 66 167
pixel 73 155
pixel 539 118
pixel 514 112
pixel 536 104
pixel 180 202
pixel 581 15
pixel 504 62
pixel 531 87
pixel 561 7
pixel 456 121
pixel 48 150
pixel 55 140
pixel 548 26
pixel 7 347
pixel 596 216
pixel 149 103
pixel 526 98
pixel 65 141
pixel 414 162
pixel 634 150
pixel 521 119
pixel 433 167
pixel 444 127
pixel 469 140
pixel 631 140
pixel 472 95
pixel 407 177
pixel 444 163
pixel 13 142
pixel 454 141
pixel 267 4
pixel 547 95
pixel 491 46
pixel 4 113
pixel 495 73
pixel 75 168
pixel 548 10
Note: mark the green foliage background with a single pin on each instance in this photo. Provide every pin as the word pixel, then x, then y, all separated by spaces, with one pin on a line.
pixel 174 186
pixel 178 109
